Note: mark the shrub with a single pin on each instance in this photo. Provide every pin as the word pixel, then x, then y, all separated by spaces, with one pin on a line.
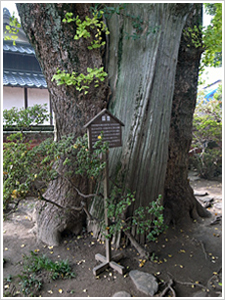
pixel 207 136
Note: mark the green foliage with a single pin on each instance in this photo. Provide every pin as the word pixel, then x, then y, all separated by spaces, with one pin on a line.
pixel 21 163
pixel 207 136
pixel 12 29
pixel 109 11
pixel 148 219
pixel 212 36
pixel 28 170
pixel 208 38
pixel 24 119
pixel 81 81
pixel 35 266
pixel 83 28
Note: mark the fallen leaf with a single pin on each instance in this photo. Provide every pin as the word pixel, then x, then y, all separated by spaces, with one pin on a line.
pixel 170 255
pixel 181 266
pixel 50 292
pixel 60 291
pixel 22 246
pixel 85 290
pixel 6 249
pixel 68 248
pixel 36 250
pixel 50 247
pixel 51 252
pixel 6 286
pixel 182 251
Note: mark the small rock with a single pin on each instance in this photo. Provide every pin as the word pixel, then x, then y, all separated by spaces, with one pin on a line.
pixel 121 294
pixel 144 282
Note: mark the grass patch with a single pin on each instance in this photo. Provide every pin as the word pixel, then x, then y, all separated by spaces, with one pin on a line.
pixel 37 269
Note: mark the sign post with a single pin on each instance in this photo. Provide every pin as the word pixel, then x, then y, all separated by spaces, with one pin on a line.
pixel 112 133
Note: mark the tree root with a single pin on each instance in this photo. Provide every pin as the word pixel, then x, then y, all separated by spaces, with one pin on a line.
pixel 191 283
pixel 203 249
pixel 168 287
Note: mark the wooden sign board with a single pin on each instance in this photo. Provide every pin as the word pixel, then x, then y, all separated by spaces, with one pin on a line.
pixel 108 124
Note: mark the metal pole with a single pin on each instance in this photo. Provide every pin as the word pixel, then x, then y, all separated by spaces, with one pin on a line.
pixel 106 196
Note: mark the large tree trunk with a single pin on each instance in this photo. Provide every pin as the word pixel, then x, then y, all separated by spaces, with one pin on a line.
pixel 55 47
pixel 179 201
pixel 142 75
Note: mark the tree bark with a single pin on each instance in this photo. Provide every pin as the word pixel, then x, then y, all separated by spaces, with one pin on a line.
pixel 55 47
pixel 141 61
pixel 142 75
pixel 179 201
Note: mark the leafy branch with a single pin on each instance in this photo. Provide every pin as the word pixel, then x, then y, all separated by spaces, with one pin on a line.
pixel 12 29
pixel 81 81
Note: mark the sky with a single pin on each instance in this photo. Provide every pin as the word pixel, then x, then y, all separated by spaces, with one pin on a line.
pixel 210 75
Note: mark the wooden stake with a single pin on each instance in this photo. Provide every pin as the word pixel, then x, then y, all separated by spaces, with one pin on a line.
pixel 106 195
pixel 106 261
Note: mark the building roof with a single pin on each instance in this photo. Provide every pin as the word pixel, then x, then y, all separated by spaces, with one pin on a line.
pixel 18 48
pixel 23 79
pixel 20 66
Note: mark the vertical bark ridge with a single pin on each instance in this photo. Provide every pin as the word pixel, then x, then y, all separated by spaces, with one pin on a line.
pixel 142 96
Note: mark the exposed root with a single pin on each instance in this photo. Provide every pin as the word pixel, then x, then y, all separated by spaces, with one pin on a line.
pixel 203 249
pixel 167 287
pixel 193 284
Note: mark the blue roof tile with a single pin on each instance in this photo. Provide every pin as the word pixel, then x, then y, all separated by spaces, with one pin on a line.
pixel 24 79
pixel 23 49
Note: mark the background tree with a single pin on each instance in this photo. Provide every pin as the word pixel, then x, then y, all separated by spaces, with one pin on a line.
pixel 212 36
pixel 140 57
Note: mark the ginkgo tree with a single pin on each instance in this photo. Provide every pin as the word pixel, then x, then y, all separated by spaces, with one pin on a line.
pixel 144 64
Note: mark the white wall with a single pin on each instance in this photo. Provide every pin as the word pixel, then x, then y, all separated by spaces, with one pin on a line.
pixel 14 97
pixel 38 96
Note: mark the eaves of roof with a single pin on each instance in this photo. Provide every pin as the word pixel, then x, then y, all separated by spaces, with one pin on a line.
pixel 18 48
pixel 23 79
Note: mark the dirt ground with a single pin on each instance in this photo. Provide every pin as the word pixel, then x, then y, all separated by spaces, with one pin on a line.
pixel 191 257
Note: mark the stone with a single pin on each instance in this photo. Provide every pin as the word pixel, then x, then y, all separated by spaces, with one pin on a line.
pixel 121 294
pixel 144 282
